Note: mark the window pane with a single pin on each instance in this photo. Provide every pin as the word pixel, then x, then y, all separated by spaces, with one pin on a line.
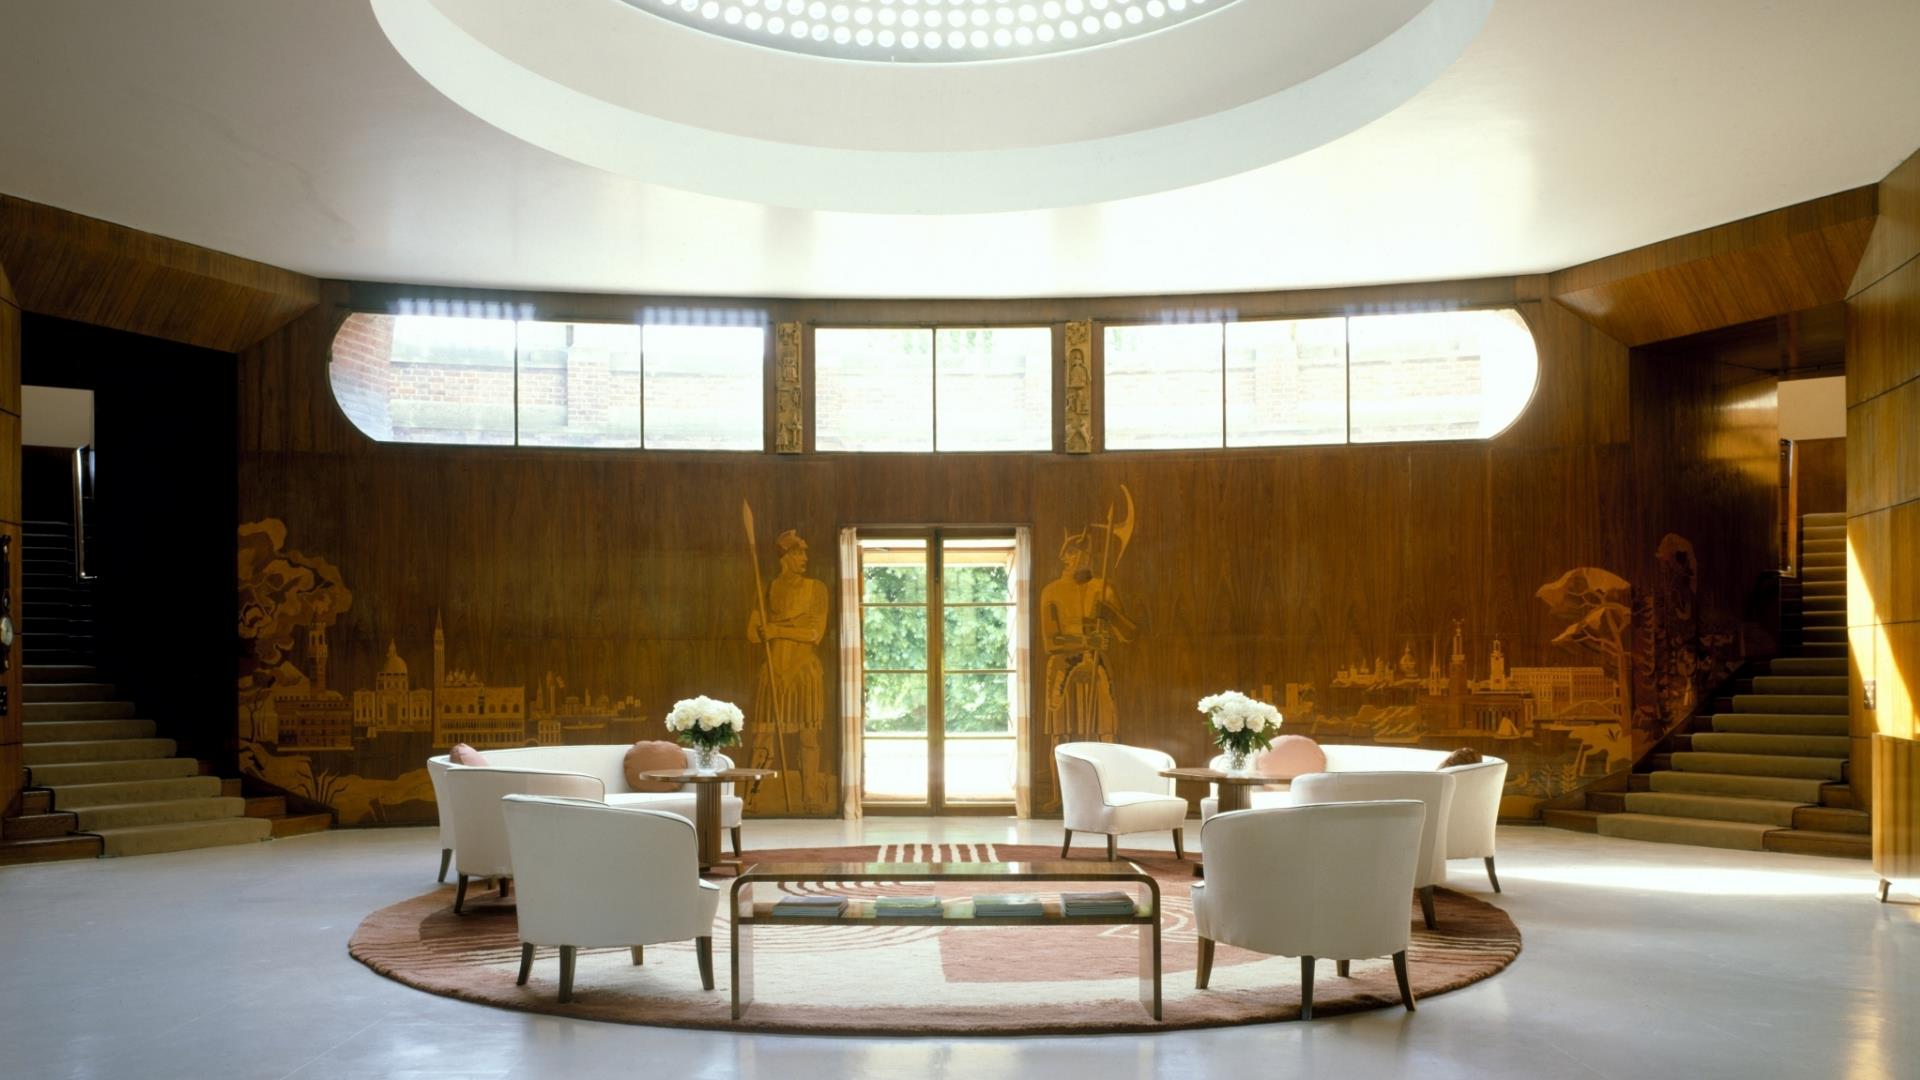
pixel 579 384
pixel 973 638
pixel 977 570
pixel 895 769
pixel 705 387
pixel 893 571
pixel 896 703
pixel 979 770
pixel 1287 382
pixel 894 638
pixel 425 379
pixel 978 704
pixel 1439 375
pixel 1163 386
pixel 873 389
pixel 996 388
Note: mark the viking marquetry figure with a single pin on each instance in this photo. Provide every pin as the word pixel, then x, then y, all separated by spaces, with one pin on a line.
pixel 789 702
pixel 1080 619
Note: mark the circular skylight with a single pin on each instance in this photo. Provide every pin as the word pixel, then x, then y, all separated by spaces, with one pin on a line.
pixel 928 31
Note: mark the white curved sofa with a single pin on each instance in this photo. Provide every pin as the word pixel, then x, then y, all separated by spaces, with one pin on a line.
pixel 604 763
pixel 1471 817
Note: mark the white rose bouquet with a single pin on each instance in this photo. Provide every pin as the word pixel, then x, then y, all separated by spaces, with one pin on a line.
pixel 1240 725
pixel 706 725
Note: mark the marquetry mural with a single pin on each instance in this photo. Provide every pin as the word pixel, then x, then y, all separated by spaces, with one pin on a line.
pixel 1081 621
pixel 789 404
pixel 787 622
pixel 1078 407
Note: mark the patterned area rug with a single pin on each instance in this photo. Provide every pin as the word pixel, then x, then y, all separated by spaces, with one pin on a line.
pixel 907 979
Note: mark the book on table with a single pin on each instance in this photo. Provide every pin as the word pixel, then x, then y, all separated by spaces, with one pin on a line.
pixel 1097 903
pixel 908 907
pixel 1006 905
pixel 816 907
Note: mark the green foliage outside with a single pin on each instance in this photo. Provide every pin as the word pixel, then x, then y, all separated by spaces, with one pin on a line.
pixel 972 638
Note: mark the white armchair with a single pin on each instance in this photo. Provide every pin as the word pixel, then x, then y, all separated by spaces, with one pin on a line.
pixel 1318 881
pixel 595 875
pixel 437 767
pixel 1434 788
pixel 1475 812
pixel 471 797
pixel 1113 789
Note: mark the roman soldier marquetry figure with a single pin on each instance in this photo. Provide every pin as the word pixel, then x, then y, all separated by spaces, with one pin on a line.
pixel 789 701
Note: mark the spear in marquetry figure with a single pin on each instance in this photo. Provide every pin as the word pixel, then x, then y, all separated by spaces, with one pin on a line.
pixel 773 675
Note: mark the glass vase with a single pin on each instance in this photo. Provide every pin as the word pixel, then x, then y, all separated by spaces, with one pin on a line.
pixel 1237 762
pixel 703 758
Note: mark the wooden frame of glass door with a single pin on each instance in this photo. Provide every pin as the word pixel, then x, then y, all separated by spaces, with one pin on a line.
pixel 935 537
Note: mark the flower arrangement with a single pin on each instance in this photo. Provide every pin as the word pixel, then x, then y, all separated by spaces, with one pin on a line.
pixel 706 725
pixel 1240 725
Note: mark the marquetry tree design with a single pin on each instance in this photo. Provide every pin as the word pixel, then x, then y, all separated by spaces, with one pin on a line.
pixel 282 594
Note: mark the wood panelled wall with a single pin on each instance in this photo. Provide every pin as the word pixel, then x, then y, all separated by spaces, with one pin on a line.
pixel 1883 517
pixel 1299 572
pixel 12 762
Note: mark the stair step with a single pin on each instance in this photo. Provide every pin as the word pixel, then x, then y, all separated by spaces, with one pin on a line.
pixel 36 801
pixel 1784 788
pixel 76 710
pixel 46 731
pixel 38 826
pixel 1701 832
pixel 230 786
pixel 101 772
pixel 300 824
pixel 1823 532
pixel 1712 808
pixel 1825 587
pixel 1835 576
pixel 1824 649
pixel 1577 820
pixel 51 849
pixel 1788 745
pixel 1824 635
pixel 1844 845
pixel 59 673
pixel 1823 704
pixel 1824 517
pixel 41 754
pixel 95 779
pixel 1838 796
pixel 71 691
pixel 1607 802
pixel 1821 545
pixel 1781 723
pixel 1833 819
pixel 1811 768
pixel 267 806
pixel 183 836
pixel 1642 781
pixel 76 796
pixel 1823 559
pixel 169 811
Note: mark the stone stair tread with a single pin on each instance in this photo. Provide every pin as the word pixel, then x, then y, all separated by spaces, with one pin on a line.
pixel 1824 704
pixel 1818 685
pixel 72 752
pixel 1813 768
pixel 182 836
pixel 1840 845
pixel 67 691
pixel 1774 812
pixel 1796 789
pixel 1807 665
pixel 97 772
pixel 1833 819
pixel 1786 744
pixel 77 710
pixel 39 673
pixel 167 811
pixel 1782 723
pixel 1703 832
pixel 42 731
pixel 75 796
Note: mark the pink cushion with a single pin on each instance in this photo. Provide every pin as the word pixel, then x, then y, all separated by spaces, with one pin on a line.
pixel 462 754
pixel 1291 756
pixel 647 756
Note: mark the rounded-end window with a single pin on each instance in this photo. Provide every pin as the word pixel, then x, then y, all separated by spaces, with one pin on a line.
pixel 1438 375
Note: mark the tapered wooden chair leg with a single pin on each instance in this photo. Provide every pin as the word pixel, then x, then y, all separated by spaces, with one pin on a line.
pixel 446 860
pixel 639 954
pixel 735 832
pixel 459 894
pixel 1306 988
pixel 566 973
pixel 1884 886
pixel 1491 876
pixel 1066 842
pixel 703 951
pixel 1113 847
pixel 1343 968
pixel 500 887
pixel 526 964
pixel 1179 844
pixel 1400 973
pixel 1426 905
pixel 1203 966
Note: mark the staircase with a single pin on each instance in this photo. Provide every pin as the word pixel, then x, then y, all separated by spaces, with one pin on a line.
pixel 1767 768
pixel 58 603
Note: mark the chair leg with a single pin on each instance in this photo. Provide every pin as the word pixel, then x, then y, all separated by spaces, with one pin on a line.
pixel 526 963
pixel 1400 973
pixel 1343 968
pixel 1491 876
pixel 703 951
pixel 1426 905
pixel 1203 967
pixel 566 973
pixel 446 860
pixel 1179 843
pixel 459 894
pixel 735 833
pixel 1066 842
pixel 1113 847
pixel 500 888
pixel 639 954
pixel 1306 988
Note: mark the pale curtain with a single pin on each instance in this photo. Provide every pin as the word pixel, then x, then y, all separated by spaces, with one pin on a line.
pixel 852 689
pixel 1023 666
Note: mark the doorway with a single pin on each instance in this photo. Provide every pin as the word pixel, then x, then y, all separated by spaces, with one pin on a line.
pixel 942 672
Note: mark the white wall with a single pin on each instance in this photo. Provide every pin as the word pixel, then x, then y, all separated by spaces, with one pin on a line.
pixel 1814 408
pixel 51 416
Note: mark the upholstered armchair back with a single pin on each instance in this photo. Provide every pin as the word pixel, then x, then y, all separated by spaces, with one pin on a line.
pixel 589 874
pixel 473 796
pixel 1434 788
pixel 437 767
pixel 1327 880
pixel 1476 808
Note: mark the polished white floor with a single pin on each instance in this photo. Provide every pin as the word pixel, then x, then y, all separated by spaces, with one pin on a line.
pixel 1642 961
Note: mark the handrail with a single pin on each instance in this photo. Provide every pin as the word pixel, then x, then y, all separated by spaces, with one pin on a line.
pixel 80 462
pixel 1789 509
